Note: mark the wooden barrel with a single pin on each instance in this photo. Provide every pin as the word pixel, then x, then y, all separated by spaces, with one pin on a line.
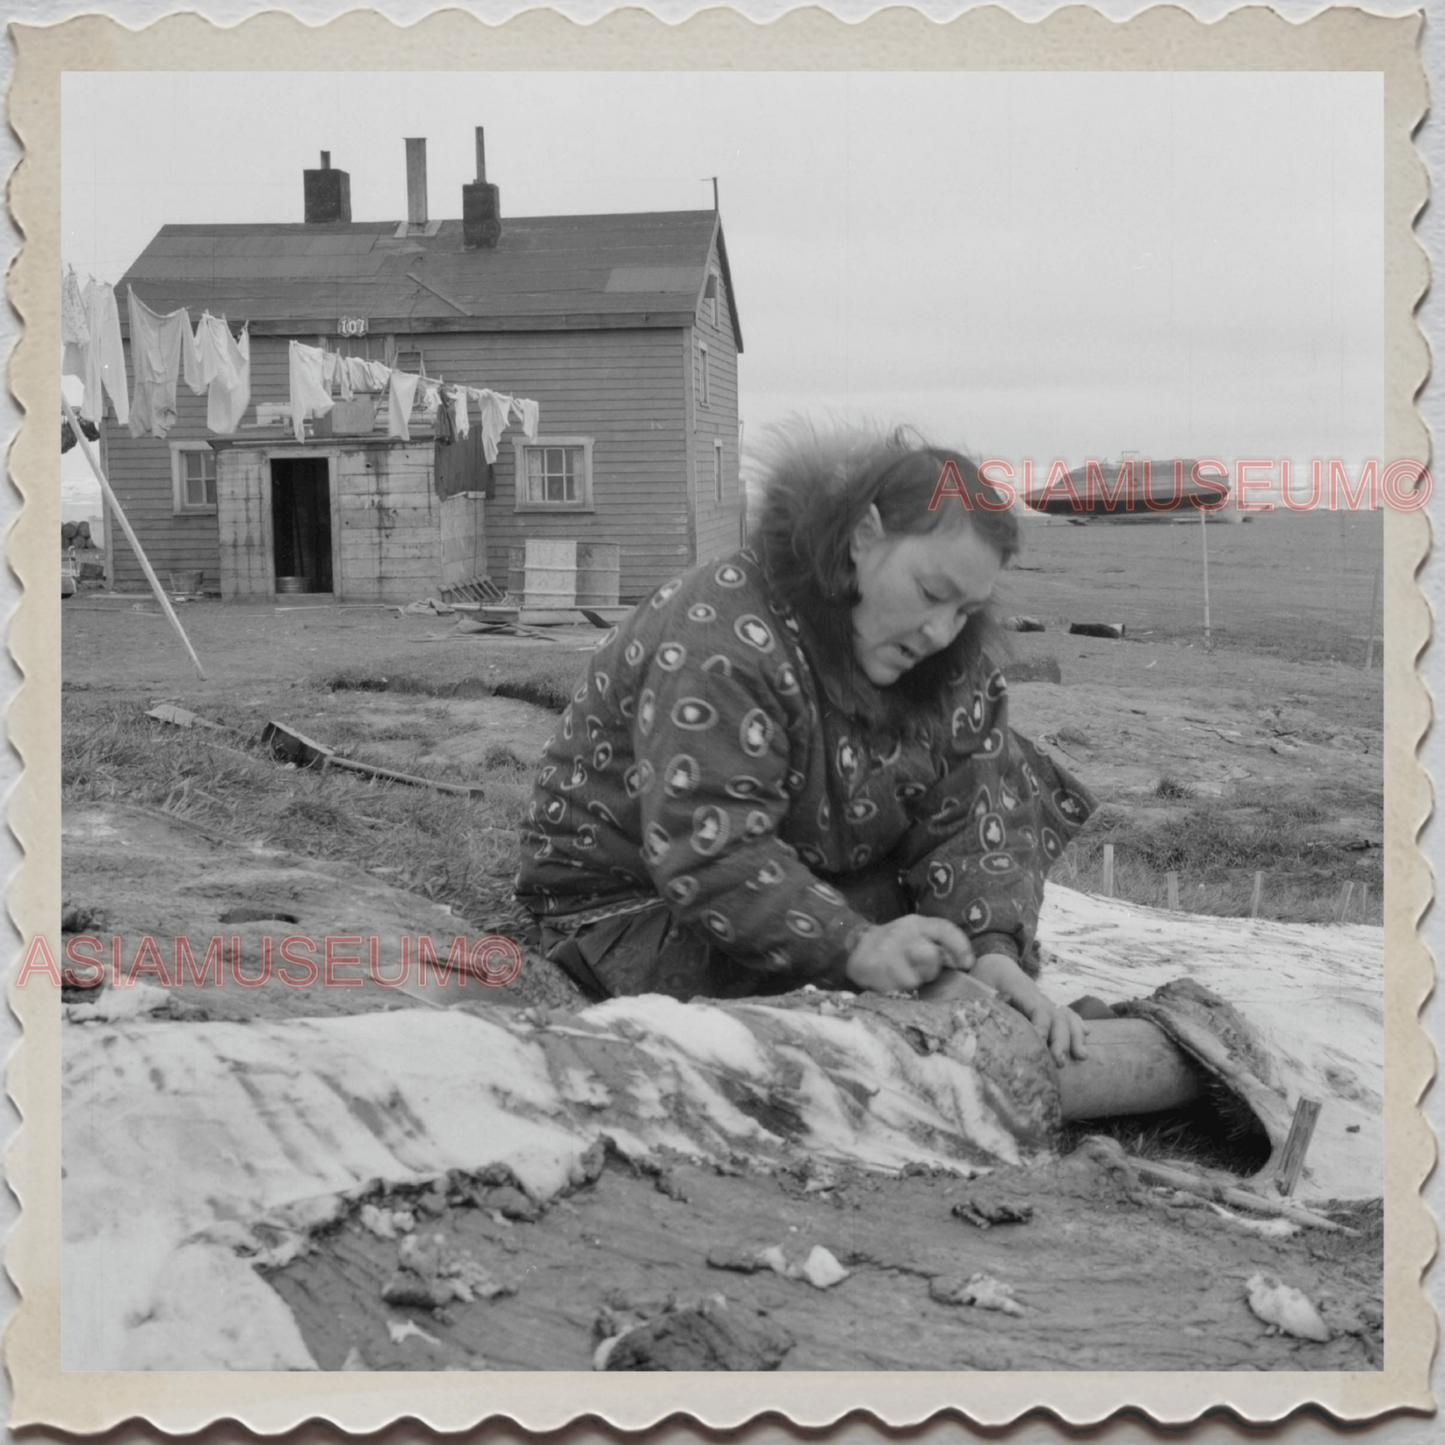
pixel 543 573
pixel 599 566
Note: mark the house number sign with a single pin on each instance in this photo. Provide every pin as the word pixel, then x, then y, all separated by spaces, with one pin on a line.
pixel 351 326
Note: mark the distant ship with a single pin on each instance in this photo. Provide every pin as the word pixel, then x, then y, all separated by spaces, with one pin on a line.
pixel 1138 489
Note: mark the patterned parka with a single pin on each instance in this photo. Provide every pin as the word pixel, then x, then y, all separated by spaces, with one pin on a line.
pixel 706 759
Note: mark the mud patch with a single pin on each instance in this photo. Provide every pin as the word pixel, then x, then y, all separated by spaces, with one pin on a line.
pixel 1103 1282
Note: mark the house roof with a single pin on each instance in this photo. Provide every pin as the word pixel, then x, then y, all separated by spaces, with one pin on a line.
pixel 546 272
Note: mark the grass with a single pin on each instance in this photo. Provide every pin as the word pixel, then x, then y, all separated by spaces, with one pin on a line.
pixel 447 848
pixel 1216 846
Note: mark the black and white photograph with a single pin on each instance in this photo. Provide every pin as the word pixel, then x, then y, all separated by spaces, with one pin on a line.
pixel 723 721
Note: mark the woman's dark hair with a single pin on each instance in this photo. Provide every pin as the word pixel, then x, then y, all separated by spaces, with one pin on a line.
pixel 818 490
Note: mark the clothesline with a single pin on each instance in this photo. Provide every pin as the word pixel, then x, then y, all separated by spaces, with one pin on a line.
pixel 165 349
pixel 314 371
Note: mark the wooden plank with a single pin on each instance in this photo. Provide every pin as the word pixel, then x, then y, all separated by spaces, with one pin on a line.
pixel 1342 908
pixel 244 522
pixel 1296 1144
pixel 392 549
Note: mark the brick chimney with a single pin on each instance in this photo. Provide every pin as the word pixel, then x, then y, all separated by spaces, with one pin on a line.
pixel 416 182
pixel 328 194
pixel 481 207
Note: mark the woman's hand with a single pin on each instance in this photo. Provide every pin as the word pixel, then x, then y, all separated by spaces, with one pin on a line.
pixel 1062 1029
pixel 908 952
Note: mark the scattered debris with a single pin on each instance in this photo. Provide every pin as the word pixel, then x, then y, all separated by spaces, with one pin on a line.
pixel 508 1202
pixel 1022 624
pixel 1114 630
pixel 496 626
pixel 116 1005
pixel 1177 1178
pixel 1271 1228
pixel 737 1258
pixel 400 1330
pixel 707 1336
pixel 978 1209
pixel 406 1288
pixel 479 589
pixel 471 1280
pixel 295 747
pixel 182 717
pixel 386 1223
pixel 353 1360
pixel 1286 1308
pixel 980 1290
pixel 821 1268
pixel 428 607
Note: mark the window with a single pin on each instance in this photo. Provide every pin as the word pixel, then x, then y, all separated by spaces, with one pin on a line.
pixel 193 473
pixel 717 470
pixel 554 474
pixel 710 297
pixel 704 381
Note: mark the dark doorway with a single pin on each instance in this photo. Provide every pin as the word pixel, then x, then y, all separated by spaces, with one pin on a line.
pixel 301 523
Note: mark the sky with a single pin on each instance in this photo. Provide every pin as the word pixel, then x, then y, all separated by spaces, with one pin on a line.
pixel 1020 265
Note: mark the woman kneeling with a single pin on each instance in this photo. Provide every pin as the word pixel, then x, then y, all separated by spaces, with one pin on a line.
pixel 794 765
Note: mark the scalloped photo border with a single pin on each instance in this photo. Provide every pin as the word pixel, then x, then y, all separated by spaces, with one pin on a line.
pixel 1077 38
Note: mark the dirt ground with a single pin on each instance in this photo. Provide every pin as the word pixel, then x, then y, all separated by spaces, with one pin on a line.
pixel 624 1249
pixel 1282 701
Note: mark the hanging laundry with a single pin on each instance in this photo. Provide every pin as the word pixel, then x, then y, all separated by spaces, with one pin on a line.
pixel 239 398
pixel 336 372
pixel 400 396
pixel 431 398
pixel 99 360
pixel 159 347
pixel 495 410
pixel 358 373
pixel 375 374
pixel 308 389
pixel 446 425
pixel 461 416
pixel 74 329
pixel 226 370
pixel 528 413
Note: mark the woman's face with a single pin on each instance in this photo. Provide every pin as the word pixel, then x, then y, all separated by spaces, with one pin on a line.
pixel 916 592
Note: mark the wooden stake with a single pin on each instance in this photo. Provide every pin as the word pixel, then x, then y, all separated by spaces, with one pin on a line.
pixel 1364 902
pixel 1171 885
pixel 120 517
pixel 1258 892
pixel 1374 604
pixel 1343 907
pixel 1296 1145
pixel 1108 870
pixel 1204 539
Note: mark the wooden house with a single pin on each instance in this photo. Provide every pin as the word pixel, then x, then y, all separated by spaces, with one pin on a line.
pixel 624 329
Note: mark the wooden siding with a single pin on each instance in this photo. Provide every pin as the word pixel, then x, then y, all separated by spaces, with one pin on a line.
pixel 624 389
pixel 628 390
pixel 718 525
pixel 388 527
